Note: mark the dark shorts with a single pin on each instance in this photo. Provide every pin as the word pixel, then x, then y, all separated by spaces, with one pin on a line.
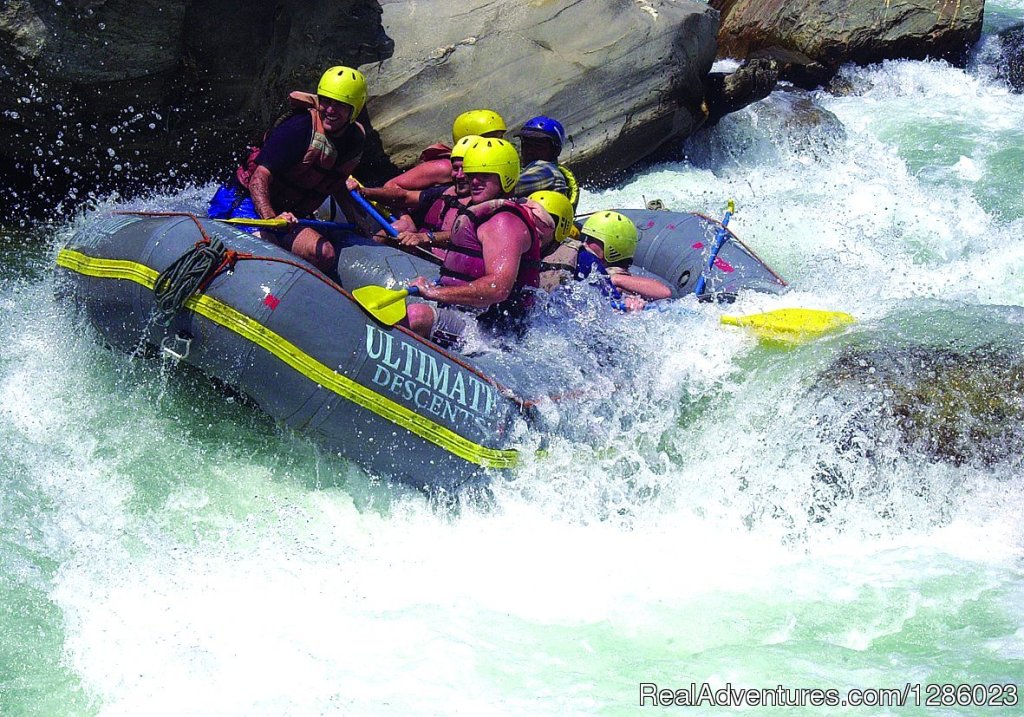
pixel 451 326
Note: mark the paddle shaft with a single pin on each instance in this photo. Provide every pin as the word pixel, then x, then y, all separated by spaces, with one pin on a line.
pixel 420 251
pixel 311 223
pixel 720 237
pixel 318 224
pixel 372 211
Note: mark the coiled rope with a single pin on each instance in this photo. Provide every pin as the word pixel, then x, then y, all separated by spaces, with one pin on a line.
pixel 187 275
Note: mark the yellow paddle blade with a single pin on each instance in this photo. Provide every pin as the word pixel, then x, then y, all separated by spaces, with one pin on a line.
pixel 385 305
pixel 267 223
pixel 791 326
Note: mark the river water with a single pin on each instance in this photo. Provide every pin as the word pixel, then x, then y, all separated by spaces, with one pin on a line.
pixel 729 515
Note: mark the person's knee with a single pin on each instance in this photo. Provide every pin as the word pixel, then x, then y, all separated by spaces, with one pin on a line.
pixel 315 249
pixel 421 319
pixel 325 257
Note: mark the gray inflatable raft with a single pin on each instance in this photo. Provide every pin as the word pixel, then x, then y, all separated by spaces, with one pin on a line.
pixel 298 345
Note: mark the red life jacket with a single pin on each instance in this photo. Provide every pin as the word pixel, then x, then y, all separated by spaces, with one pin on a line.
pixel 442 213
pixel 435 151
pixel 465 260
pixel 325 166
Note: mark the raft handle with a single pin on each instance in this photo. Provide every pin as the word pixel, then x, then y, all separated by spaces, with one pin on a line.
pixel 177 346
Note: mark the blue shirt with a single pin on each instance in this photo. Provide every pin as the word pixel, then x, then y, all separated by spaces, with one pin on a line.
pixel 586 264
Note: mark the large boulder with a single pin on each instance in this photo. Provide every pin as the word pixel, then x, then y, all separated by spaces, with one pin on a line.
pixel 623 76
pixel 962 406
pixel 828 33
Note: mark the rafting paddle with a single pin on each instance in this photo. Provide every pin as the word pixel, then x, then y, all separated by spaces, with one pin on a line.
pixel 282 225
pixel 385 305
pixel 791 327
pixel 372 211
pixel 420 251
pixel 720 236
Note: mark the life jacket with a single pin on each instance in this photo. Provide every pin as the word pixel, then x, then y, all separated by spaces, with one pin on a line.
pixel 324 168
pixel 442 213
pixel 558 265
pixel 587 263
pixel 464 261
pixel 435 151
pixel 573 185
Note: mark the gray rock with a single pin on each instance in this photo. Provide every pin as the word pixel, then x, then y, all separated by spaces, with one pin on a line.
pixel 794 67
pixel 729 92
pixel 624 77
pixel 831 32
pixel 127 94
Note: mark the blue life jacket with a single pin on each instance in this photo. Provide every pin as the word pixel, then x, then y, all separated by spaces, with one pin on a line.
pixel 586 263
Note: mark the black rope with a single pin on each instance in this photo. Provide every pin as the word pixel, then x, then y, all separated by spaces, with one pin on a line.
pixel 185 276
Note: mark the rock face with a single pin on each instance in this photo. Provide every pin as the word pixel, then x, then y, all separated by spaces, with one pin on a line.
pixel 126 94
pixel 830 32
pixel 104 94
pixel 623 76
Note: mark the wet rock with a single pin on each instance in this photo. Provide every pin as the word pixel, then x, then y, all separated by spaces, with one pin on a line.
pixel 729 92
pixel 1012 66
pixel 832 32
pixel 127 94
pixel 794 67
pixel 800 117
pixel 623 77
pixel 122 94
pixel 955 406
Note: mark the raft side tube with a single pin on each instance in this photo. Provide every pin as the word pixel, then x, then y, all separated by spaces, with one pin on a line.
pixel 675 247
pixel 302 349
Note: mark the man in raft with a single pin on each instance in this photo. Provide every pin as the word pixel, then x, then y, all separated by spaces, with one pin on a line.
pixel 434 166
pixel 605 250
pixel 305 158
pixel 541 140
pixel 492 257
pixel 427 213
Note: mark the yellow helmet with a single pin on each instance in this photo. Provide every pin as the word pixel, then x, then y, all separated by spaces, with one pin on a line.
pixel 459 150
pixel 616 232
pixel 560 209
pixel 344 85
pixel 478 122
pixel 490 155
